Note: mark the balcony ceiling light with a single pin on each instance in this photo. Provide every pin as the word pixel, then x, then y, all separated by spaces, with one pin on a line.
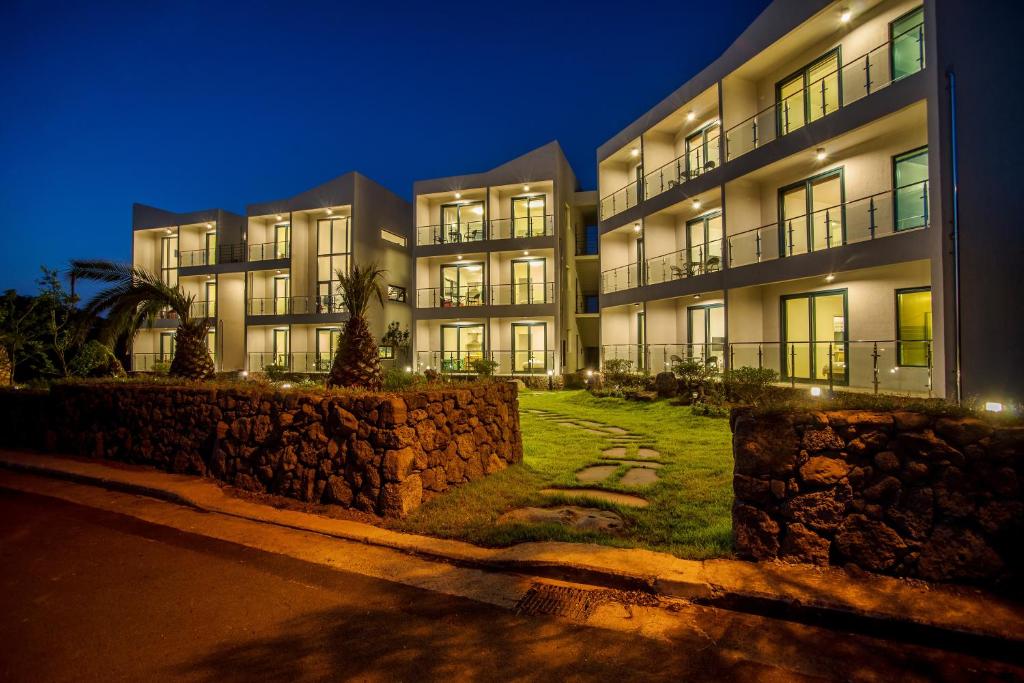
pixel 209 225
pixel 696 203
pixel 845 16
pixel 168 231
pixel 526 253
pixel 696 296
pixel 690 116
pixel 636 227
pixel 458 195
pixel 819 154
pixel 830 277
pixel 526 188
pixel 635 152
pixel 330 211
pixel 459 257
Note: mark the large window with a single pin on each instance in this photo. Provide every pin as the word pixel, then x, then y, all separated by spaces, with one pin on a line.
pixel 462 222
pixel 460 346
pixel 704 243
pixel 702 150
pixel 462 284
pixel 327 339
pixel 528 215
pixel 211 248
pixel 167 343
pixel 811 215
pixel 210 294
pixel 280 342
pixel 907 37
pixel 810 94
pixel 169 260
pixel 641 341
pixel 333 252
pixel 910 189
pixel 282 290
pixel 282 240
pixel 814 334
pixel 211 342
pixel 914 326
pixel 705 333
pixel 529 278
pixel 529 347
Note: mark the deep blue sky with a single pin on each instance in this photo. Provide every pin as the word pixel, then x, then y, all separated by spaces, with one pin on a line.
pixel 186 105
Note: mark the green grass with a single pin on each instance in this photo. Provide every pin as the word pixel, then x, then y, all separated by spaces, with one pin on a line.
pixel 689 512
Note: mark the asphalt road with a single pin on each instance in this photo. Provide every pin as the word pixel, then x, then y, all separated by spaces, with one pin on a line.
pixel 90 595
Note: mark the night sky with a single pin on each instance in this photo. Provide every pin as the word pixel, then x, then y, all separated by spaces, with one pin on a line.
pixel 188 106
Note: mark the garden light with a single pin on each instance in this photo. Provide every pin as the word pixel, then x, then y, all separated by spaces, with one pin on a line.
pixel 994 407
pixel 815 391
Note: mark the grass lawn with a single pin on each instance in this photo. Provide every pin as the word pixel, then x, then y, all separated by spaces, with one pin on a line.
pixel 689 511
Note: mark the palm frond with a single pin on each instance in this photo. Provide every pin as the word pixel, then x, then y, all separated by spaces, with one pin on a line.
pixel 359 286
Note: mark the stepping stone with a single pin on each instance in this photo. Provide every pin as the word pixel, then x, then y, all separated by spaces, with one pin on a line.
pixel 616 452
pixel 588 475
pixel 598 494
pixel 616 430
pixel 646 453
pixel 587 423
pixel 582 518
pixel 642 463
pixel 639 476
pixel 594 432
pixel 568 424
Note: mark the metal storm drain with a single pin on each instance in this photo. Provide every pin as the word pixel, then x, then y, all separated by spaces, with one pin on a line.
pixel 560 601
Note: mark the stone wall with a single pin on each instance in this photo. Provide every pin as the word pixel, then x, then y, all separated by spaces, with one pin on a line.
pixel 379 453
pixel 900 493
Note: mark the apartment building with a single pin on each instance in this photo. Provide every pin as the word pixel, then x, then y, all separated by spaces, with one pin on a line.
pixel 502 270
pixel 792 207
pixel 268 280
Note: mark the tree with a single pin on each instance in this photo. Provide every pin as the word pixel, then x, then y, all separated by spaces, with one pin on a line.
pixel 65 328
pixel 357 363
pixel 134 298
pixel 22 325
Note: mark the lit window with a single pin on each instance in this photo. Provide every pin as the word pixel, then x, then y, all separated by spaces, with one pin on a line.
pixel 386 352
pixel 394 238
pixel 396 293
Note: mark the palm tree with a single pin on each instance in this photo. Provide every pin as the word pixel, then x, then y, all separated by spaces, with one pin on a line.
pixel 135 297
pixel 356 363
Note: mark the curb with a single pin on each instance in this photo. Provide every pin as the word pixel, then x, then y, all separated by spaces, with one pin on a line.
pixel 763 589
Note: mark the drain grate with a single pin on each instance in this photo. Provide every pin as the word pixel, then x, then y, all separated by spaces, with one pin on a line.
pixel 576 603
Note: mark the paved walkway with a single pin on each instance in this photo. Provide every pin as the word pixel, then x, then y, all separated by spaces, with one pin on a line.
pixel 803 590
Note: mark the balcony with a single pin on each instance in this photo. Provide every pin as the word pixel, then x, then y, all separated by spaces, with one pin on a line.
pixel 304 362
pixel 860 220
pixel 225 253
pixel 204 309
pixel 478 295
pixel 851 82
pixel 269 251
pixel 509 362
pixel 295 305
pixel 878 366
pixel 150 362
pixel 478 231
pixel 826 94
pixel 620 278
pixel 684 263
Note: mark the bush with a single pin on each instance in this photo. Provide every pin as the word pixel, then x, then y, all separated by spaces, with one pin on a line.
pixel 397 379
pixel 749 385
pixel 275 372
pixel 619 371
pixel 697 379
pixel 160 367
pixel 709 410
pixel 483 367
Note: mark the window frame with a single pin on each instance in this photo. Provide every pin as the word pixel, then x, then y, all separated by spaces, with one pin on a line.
pixel 838 52
pixel 808 185
pixel 708 345
pixel 544 352
pixel 899 340
pixel 892 43
pixel 812 360
pixel 543 216
pixel 895 212
pixel 326 301
pixel 513 284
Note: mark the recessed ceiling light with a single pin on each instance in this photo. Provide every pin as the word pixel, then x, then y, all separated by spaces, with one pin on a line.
pixel 846 16
pixel 458 195
pixel 278 216
pixel 209 225
pixel 459 257
pixel 696 203
pixel 330 211
pixel 819 154
pixel 634 152
pixel 526 188
pixel 168 231
pixel 636 227
pixel 691 116
pixel 526 253
pixel 830 277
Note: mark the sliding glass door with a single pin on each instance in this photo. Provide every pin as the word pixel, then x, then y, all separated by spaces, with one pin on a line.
pixel 704 242
pixel 811 214
pixel 529 347
pixel 529 278
pixel 462 222
pixel 279 346
pixel 914 326
pixel 462 284
pixel 808 95
pixel 705 333
pixel 907 36
pixel 814 336
pixel 910 189
pixel 528 215
pixel 327 339
pixel 460 346
pixel 702 150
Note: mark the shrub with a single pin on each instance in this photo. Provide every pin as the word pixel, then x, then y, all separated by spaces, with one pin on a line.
pixel 431 374
pixel 696 377
pixel 275 372
pixel 483 367
pixel 619 371
pixel 749 385
pixel 160 367
pixel 397 379
pixel 709 410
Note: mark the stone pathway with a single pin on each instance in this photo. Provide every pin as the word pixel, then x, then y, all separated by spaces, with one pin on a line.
pixel 596 473
pixel 582 518
pixel 598 494
pixel 639 476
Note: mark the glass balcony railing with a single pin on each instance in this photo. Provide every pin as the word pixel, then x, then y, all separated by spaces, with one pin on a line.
pixel 827 94
pixel 516 228
pixel 859 220
pixel 879 366
pixel 508 362
pixel 451 297
pixel 204 309
pixel 304 362
pixel 697 260
pixel 523 293
pixel 832 91
pixel 684 168
pixel 295 305
pixel 148 362
pixel 620 278
pixel 473 231
pixel 269 251
pixel 224 253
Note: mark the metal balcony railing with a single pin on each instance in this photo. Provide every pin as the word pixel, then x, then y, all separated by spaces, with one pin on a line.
pixel 858 220
pixel 523 293
pixel 453 233
pixel 204 309
pixel 224 253
pixel 303 362
pixel 881 366
pixel 269 251
pixel 684 168
pixel 620 278
pixel 849 83
pixel 516 228
pixel 451 297
pixel 697 260
pixel 295 305
pixel 508 362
